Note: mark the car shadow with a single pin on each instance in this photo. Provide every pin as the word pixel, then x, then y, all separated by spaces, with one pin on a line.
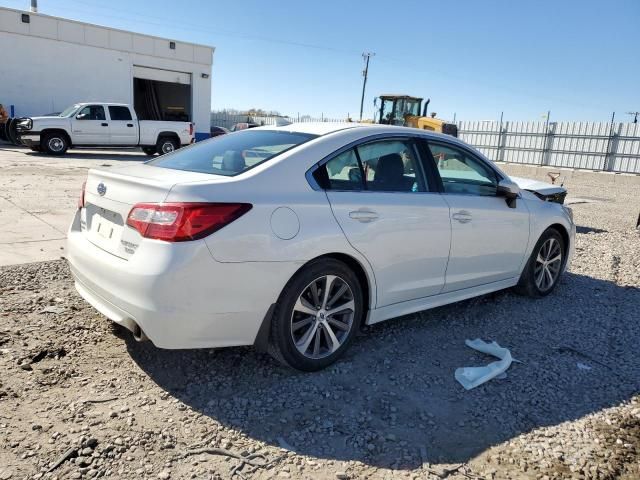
pixel 583 229
pixel 393 402
pixel 121 155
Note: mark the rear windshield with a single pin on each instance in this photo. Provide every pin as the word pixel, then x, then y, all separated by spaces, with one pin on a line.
pixel 233 153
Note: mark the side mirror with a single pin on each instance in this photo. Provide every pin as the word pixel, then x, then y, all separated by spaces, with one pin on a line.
pixel 81 116
pixel 509 190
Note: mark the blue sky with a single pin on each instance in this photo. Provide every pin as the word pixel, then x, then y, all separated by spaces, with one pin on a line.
pixel 579 59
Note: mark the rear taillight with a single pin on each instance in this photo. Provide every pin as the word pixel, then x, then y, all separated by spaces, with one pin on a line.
pixel 180 222
pixel 81 198
pixel 191 129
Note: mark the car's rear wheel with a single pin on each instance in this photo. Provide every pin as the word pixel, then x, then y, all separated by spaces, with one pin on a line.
pixel 150 150
pixel 543 270
pixel 167 145
pixel 317 316
pixel 54 143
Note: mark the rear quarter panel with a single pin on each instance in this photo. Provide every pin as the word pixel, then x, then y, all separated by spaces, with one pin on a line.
pixel 151 129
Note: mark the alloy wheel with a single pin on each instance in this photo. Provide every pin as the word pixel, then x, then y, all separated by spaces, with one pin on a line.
pixel 167 147
pixel 322 316
pixel 548 264
pixel 56 144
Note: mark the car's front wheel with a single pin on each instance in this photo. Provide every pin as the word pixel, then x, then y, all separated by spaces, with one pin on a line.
pixel 543 270
pixel 317 316
pixel 54 143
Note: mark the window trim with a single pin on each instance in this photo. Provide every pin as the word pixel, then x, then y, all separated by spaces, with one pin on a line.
pixel 111 119
pixel 412 139
pixel 104 111
pixel 427 141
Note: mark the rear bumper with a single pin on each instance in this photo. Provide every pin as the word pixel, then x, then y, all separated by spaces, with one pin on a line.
pixel 177 293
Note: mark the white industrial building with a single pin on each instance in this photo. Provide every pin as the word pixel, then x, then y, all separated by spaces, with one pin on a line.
pixel 48 63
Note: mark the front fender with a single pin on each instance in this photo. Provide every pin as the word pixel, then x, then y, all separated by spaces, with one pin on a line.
pixel 548 214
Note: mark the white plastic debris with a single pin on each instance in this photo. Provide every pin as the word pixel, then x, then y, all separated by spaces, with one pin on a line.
pixel 583 366
pixel 471 377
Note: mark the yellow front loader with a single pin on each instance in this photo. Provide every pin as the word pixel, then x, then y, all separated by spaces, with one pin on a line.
pixel 405 110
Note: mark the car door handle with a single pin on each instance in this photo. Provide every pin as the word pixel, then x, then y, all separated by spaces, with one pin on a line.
pixel 363 216
pixel 104 124
pixel 462 216
pixel 129 124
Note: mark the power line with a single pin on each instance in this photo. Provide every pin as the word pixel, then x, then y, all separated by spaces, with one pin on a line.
pixel 140 17
pixel 365 74
pixel 635 116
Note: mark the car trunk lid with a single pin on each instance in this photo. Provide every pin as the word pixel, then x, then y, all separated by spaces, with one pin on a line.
pixel 111 194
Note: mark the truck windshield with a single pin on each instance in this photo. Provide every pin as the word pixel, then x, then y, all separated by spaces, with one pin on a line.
pixel 233 153
pixel 67 112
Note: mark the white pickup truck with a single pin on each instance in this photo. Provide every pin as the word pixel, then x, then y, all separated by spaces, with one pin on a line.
pixel 99 124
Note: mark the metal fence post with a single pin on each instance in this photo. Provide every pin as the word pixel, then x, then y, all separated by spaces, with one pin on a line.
pixel 612 148
pixel 548 142
pixel 502 141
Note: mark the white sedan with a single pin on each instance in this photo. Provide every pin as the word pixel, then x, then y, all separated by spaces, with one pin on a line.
pixel 290 238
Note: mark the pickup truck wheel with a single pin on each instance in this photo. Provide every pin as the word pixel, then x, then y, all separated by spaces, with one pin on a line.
pixel 150 150
pixel 167 145
pixel 55 143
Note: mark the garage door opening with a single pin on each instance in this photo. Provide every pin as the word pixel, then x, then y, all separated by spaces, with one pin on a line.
pixel 162 94
pixel 155 100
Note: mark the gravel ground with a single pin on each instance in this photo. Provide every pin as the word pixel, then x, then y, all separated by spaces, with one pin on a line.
pixel 80 399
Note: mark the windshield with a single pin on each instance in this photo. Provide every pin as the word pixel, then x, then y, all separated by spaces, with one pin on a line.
pixel 67 112
pixel 233 153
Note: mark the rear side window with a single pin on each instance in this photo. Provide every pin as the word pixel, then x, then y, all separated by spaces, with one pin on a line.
pixel 384 166
pixel 233 153
pixel 342 172
pixel 119 113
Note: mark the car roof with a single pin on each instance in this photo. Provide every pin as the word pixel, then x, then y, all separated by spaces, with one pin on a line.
pixel 326 128
pixel 313 128
pixel 109 104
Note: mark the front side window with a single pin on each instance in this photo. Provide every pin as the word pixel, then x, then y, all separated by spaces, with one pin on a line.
pixel 233 153
pixel 92 112
pixel 67 112
pixel 384 166
pixel 462 173
pixel 119 113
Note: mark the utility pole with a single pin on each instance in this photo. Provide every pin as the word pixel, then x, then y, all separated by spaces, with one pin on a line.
pixel 365 73
pixel 635 116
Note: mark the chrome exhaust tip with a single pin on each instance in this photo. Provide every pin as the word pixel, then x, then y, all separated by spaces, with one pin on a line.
pixel 138 334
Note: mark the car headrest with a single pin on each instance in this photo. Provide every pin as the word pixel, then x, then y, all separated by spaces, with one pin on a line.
pixel 233 161
pixel 389 168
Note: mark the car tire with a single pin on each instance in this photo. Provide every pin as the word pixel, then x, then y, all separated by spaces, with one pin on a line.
pixel 167 145
pixel 150 150
pixel 54 143
pixel 544 268
pixel 309 338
